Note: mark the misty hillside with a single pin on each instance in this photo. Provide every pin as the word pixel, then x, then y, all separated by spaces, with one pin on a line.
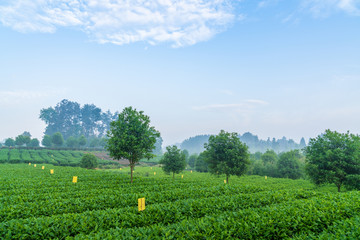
pixel 196 144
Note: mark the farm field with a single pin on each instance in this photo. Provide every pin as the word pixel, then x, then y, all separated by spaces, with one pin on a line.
pixel 47 156
pixel 104 205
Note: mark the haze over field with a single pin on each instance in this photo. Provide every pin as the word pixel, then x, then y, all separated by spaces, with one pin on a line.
pixel 273 68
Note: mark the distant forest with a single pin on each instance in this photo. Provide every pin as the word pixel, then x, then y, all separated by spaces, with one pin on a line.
pixel 72 120
pixel 196 144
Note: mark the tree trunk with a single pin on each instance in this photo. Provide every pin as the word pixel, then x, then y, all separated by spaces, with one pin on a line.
pixel 338 186
pixel 131 169
pixel 227 179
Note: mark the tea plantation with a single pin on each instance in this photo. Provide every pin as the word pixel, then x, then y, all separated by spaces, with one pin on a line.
pixel 55 157
pixel 102 204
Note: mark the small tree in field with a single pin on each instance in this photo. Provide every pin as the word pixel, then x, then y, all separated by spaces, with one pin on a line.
pixel 173 161
pixel 226 154
pixel 334 158
pixel 88 161
pixel 131 137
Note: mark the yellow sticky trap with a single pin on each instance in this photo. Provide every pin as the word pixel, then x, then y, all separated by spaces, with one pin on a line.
pixel 154 173
pixel 141 204
pixel 225 181
pixel 51 171
pixel 191 171
pixel 182 176
pixel 29 163
pixel 120 168
pixel 34 165
pixel 265 177
pixel 74 179
pixel 43 167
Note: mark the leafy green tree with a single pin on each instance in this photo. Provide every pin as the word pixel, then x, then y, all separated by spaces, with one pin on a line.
pixel 226 154
pixel 46 141
pixel 201 165
pixel 57 139
pixel 289 165
pixel 88 161
pixel 192 159
pixel 34 143
pixel 131 137
pixel 82 141
pixel 269 157
pixel 22 140
pixel 333 157
pixel 173 160
pixel 71 142
pixel 10 142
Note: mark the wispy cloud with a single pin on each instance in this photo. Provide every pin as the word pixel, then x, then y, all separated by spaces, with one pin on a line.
pixel 181 23
pixel 244 105
pixel 323 8
pixel 25 96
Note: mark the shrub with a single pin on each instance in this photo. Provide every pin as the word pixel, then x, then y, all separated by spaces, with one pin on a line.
pixel 88 161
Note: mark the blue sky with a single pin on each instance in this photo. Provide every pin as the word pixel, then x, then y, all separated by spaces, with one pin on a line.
pixel 274 68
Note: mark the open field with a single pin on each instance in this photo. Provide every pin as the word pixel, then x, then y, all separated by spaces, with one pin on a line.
pixel 103 205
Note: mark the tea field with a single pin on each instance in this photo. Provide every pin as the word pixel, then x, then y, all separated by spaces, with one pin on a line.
pixel 55 157
pixel 102 204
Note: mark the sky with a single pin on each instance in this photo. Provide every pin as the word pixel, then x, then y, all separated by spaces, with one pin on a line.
pixel 272 67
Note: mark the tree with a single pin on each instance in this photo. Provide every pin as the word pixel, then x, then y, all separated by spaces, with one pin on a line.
pixel 57 139
pixel 71 119
pixel 34 142
pixel 10 142
pixel 333 157
pixel 46 141
pixel 226 154
pixel 173 160
pixel 186 153
pixel 25 133
pixel 192 160
pixel 94 142
pixel 269 157
pixel 158 146
pixel 201 165
pixel 288 165
pixel 131 137
pixel 88 161
pixel 71 142
pixel 22 140
pixel 82 141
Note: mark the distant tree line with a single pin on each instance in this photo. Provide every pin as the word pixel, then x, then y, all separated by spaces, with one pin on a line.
pixel 196 144
pixel 72 120
pixel 22 140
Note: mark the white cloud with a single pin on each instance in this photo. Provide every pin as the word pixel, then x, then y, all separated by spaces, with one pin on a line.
pixel 182 22
pixel 321 8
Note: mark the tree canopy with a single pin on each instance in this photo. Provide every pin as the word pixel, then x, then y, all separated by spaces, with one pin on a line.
pixel 173 160
pixel 334 157
pixel 226 154
pixel 70 119
pixel 131 137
